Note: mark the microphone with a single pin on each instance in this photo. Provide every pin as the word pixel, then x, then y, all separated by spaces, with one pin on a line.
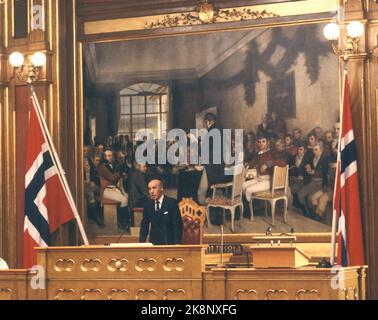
pixel 292 230
pixel 122 234
pixel 268 231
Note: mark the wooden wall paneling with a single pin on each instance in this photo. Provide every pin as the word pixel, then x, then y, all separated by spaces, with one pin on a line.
pixel 3 85
pixel 371 213
pixel 22 116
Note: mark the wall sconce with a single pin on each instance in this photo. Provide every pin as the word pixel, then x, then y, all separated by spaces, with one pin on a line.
pixel 355 30
pixel 27 71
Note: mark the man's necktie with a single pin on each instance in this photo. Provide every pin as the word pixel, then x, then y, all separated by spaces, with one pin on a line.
pixel 157 207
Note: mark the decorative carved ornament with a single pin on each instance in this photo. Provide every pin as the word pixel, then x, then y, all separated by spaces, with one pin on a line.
pixel 146 294
pixel 88 293
pixel 307 294
pixel 206 13
pixel 91 265
pixel 274 294
pixel 174 294
pixel 121 294
pixel 143 264
pixel 118 265
pixel 350 293
pixel 5 293
pixel 174 264
pixel 64 265
pixel 62 294
pixel 243 294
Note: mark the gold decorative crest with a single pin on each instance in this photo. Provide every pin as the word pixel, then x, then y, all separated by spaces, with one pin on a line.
pixel 209 16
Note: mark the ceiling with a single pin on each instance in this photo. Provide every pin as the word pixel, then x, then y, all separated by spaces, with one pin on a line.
pixel 162 59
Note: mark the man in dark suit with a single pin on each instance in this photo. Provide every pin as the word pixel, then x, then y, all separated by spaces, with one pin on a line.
pixel 162 216
pixel 136 187
pixel 214 172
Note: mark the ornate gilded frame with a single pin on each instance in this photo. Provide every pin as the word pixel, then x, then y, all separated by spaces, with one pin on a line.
pixel 106 29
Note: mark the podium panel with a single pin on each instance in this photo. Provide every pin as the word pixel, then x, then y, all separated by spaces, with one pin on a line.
pixel 15 285
pixel 142 273
pixel 172 272
pixel 307 283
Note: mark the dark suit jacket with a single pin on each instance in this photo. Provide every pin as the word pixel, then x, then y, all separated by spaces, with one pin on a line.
pixel 136 187
pixel 321 170
pixel 166 224
pixel 215 172
pixel 299 171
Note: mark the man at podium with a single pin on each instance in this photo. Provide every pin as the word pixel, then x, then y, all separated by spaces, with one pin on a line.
pixel 163 215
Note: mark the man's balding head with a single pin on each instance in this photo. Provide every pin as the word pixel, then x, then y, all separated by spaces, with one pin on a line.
pixel 156 189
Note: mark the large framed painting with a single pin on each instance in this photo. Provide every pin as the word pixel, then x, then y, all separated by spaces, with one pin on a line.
pixel 164 80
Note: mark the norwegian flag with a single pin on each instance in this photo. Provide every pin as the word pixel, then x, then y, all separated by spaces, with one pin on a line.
pixel 47 203
pixel 346 196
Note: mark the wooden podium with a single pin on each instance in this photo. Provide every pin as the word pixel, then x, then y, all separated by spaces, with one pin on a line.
pixel 178 272
pixel 15 285
pixel 286 256
pixel 123 273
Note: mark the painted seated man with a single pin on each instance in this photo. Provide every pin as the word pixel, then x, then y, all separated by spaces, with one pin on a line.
pixel 264 164
pixel 320 199
pixel 111 177
pixel 297 137
pixel 92 186
pixel 289 145
pixel 298 176
pixel 317 169
pixel 280 154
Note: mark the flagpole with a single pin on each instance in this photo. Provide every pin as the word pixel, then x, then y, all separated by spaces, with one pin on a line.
pixel 334 214
pixel 338 168
pixel 61 172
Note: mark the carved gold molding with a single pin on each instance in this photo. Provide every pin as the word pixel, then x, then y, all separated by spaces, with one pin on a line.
pixel 208 16
pixel 224 15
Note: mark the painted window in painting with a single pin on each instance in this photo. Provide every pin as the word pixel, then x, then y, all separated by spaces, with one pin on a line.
pixel 144 106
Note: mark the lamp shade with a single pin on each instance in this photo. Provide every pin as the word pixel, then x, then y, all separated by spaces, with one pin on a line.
pixel 355 29
pixel 331 31
pixel 38 59
pixel 16 59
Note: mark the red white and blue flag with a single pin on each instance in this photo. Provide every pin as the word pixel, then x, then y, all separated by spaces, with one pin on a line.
pixel 46 202
pixel 347 196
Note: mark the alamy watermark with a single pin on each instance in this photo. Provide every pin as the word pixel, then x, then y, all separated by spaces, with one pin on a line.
pixel 200 147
